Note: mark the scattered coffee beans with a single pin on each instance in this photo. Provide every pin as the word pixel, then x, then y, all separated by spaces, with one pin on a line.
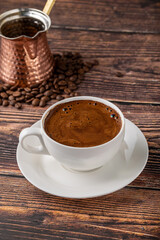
pixel 5 103
pixel 68 73
pixel 18 105
pixel 119 74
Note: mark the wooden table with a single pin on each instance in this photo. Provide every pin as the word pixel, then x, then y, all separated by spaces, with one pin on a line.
pixel 125 37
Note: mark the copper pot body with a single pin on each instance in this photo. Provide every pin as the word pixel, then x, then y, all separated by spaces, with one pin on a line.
pixel 25 60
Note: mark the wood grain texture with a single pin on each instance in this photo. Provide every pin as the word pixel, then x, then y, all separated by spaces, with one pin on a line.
pixel 136 56
pixel 126 214
pixel 140 16
pixel 146 117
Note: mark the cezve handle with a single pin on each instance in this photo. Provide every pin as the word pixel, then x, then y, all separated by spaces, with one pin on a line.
pixel 48 7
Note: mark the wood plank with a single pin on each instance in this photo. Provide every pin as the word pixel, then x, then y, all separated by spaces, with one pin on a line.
pixel 144 116
pixel 136 56
pixel 125 214
pixel 104 15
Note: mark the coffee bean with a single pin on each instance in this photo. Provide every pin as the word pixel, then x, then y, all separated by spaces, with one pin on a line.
pixel 42 89
pixel 34 92
pixel 23 93
pixel 71 94
pixel 20 99
pixel 5 103
pixel 9 92
pixel 68 54
pixel 1 89
pixel 65 96
pixel 13 88
pixel 80 62
pixel 42 103
pixel 47 87
pixel 27 89
pixel 81 77
pixel 67 90
pixel 73 78
pixel 59 97
pixel 78 81
pixel 12 102
pixel 18 105
pixel 48 93
pixel 88 64
pixel 6 86
pixel 4 95
pixel 55 75
pixel 29 94
pixel 0 101
pixel 35 85
pixel 72 86
pixel 81 71
pixel 61 76
pixel 86 69
pixel 50 84
pixel 77 67
pixel 53 96
pixel 35 102
pixel 27 97
pixel 55 91
pixel 67 79
pixel 56 86
pixel 57 56
pixel 59 71
pixel 62 83
pixel 119 74
pixel 77 55
pixel 39 95
pixel 69 72
pixel 35 89
pixel 44 83
pixel 11 98
pixel 62 87
pixel 29 100
pixel 55 81
pixel 62 66
pixel 45 98
pixel 20 89
pixel 17 94
pixel 95 62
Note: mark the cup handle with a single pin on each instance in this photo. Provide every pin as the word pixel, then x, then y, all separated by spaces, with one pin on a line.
pixel 41 149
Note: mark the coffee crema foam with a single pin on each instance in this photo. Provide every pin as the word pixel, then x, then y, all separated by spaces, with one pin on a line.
pixel 82 123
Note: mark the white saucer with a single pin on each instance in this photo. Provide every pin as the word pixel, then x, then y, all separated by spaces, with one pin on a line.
pixel 48 175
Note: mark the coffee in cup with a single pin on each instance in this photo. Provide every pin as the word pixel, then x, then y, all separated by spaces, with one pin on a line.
pixel 82 123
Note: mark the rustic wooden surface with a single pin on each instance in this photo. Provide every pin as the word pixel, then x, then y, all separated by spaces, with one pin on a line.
pixel 125 37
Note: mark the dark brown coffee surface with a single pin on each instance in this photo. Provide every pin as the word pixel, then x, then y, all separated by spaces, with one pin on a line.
pixel 23 26
pixel 82 123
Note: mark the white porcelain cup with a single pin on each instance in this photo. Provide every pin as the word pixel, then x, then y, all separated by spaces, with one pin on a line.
pixel 75 158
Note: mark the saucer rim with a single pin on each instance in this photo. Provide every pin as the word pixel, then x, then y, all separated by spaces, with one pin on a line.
pixel 87 196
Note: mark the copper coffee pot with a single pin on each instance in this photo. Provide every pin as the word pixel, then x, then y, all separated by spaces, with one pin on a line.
pixel 24 60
